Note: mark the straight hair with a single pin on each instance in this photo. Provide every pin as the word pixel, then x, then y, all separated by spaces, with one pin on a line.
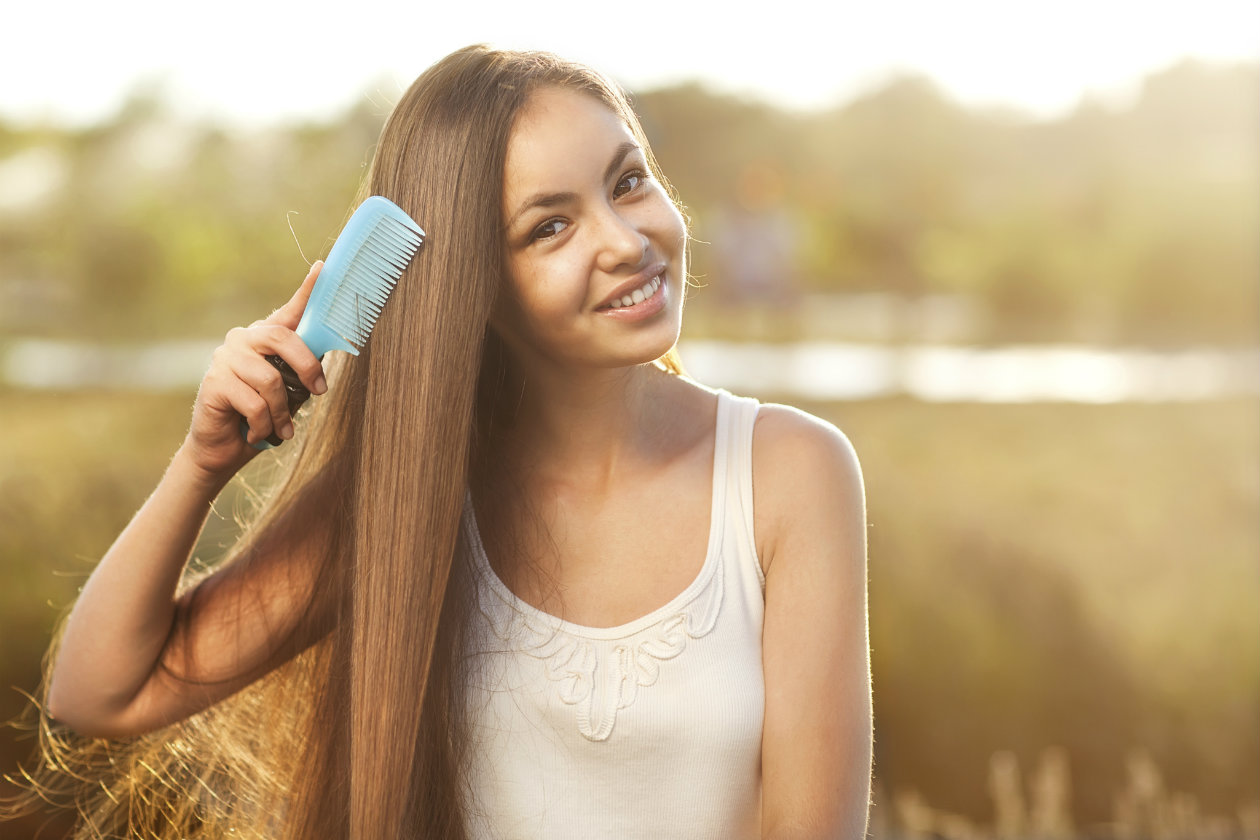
pixel 361 735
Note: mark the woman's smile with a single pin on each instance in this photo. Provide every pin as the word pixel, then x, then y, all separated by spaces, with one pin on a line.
pixel 634 290
pixel 642 302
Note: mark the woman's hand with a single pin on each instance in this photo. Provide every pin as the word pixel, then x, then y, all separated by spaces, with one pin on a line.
pixel 242 383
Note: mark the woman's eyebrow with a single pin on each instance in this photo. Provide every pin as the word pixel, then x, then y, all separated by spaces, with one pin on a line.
pixel 619 156
pixel 552 199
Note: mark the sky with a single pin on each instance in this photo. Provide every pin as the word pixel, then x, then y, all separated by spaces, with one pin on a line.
pixel 254 62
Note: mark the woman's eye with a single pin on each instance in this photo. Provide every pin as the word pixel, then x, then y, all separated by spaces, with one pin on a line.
pixel 549 228
pixel 628 184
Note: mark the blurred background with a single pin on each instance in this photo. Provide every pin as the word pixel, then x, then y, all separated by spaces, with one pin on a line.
pixel 1013 251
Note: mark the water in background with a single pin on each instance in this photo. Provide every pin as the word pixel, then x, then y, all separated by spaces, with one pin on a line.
pixel 947 373
pixel 808 370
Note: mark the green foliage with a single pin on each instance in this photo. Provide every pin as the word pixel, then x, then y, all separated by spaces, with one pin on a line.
pixel 160 229
pixel 1131 222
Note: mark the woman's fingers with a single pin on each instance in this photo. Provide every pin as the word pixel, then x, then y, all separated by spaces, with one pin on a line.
pixel 261 376
pixel 245 359
pixel 267 339
pixel 246 402
pixel 286 344
pixel 243 383
pixel 291 313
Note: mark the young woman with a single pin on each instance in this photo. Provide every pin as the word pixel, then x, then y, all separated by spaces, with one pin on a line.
pixel 521 578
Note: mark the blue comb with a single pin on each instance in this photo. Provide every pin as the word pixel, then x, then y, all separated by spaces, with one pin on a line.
pixel 362 268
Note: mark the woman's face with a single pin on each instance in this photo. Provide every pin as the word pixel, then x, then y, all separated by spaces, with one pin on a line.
pixel 594 247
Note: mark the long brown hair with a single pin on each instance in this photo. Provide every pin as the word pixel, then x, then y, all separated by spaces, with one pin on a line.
pixel 361 735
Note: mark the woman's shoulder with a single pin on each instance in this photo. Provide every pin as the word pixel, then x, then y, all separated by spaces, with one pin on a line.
pixel 784 432
pixel 806 476
pixel 781 433
pixel 787 441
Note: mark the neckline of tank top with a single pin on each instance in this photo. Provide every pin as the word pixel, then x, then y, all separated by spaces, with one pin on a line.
pixel 672 607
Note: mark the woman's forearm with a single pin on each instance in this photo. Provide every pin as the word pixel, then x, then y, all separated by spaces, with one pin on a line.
pixel 122 620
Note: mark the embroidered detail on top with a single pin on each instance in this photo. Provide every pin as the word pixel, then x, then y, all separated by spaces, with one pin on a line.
pixel 599 677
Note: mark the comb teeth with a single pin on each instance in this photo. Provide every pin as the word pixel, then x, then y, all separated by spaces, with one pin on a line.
pixel 378 261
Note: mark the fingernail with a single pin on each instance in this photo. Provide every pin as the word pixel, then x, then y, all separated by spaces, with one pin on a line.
pixel 286 431
pixel 321 385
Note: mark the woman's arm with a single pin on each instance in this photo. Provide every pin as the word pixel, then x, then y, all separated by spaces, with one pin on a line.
pixel 811 536
pixel 124 665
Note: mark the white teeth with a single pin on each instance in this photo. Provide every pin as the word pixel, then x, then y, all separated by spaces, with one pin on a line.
pixel 638 295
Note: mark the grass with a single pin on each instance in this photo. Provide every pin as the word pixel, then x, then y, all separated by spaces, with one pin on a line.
pixel 1082 577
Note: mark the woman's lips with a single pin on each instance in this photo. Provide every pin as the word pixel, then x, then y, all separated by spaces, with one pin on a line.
pixel 636 297
pixel 652 295
pixel 639 281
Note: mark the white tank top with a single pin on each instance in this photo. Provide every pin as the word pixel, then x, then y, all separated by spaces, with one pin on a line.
pixel 647 730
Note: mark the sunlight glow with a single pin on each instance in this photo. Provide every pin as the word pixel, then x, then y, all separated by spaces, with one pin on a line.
pixel 257 62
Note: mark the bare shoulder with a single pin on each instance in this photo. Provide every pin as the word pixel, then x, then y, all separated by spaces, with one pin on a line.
pixel 807 483
pixel 783 431
pixel 797 453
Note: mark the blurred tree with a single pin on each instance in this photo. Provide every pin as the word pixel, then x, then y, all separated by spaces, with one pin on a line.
pixel 1113 223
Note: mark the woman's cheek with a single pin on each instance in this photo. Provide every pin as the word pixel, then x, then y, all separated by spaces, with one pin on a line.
pixel 549 289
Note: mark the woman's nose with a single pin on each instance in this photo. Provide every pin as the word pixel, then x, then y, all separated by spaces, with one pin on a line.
pixel 621 242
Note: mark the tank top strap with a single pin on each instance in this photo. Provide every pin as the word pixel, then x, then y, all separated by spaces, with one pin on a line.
pixel 733 448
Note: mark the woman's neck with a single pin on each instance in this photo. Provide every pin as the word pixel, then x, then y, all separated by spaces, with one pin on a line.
pixel 591 426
